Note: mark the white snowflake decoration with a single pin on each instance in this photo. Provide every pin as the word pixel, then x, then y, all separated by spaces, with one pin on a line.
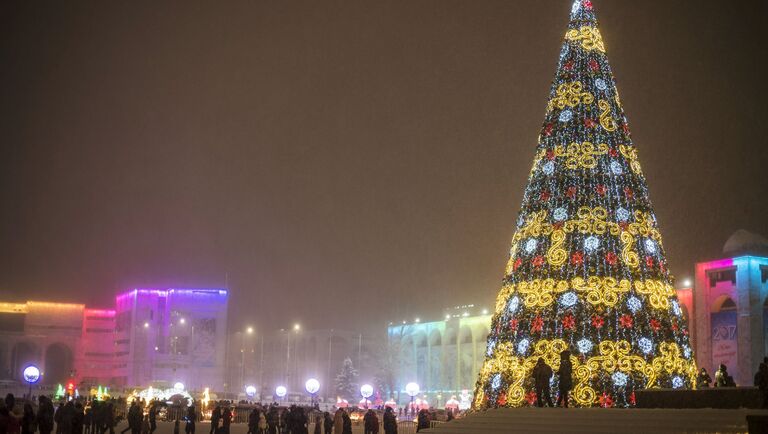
pixel 634 304
pixel 676 308
pixel 619 378
pixel 600 84
pixel 645 344
pixel 569 299
pixel 584 345
pixel 491 347
pixel 591 244
pixel 687 351
pixel 560 214
pixel 677 382
pixel 565 116
pixel 514 303
pixel 496 381
pixel 622 214
pixel 523 345
pixel 616 168
pixel 650 245
pixel 530 245
pixel 548 168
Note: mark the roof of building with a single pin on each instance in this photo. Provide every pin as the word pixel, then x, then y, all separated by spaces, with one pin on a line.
pixel 743 242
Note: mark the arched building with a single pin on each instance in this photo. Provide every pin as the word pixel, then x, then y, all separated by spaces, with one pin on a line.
pixel 443 357
pixel 728 308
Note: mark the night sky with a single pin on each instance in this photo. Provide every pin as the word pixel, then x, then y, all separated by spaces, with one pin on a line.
pixel 344 163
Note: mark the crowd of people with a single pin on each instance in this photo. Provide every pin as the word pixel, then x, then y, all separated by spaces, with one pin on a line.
pixel 724 379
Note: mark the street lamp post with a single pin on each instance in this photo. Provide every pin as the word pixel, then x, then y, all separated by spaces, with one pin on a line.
pixel 312 386
pixel 366 390
pixel 31 375
pixel 412 389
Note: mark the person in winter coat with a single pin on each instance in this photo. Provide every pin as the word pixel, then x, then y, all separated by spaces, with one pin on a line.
pixel 28 424
pixel 542 373
pixel 215 417
pixel 262 423
pixel 346 423
pixel 390 421
pixel 371 422
pixel 273 420
pixel 722 379
pixel 189 428
pixel 703 379
pixel 761 382
pixel 109 418
pixel 152 417
pixel 338 421
pixel 226 420
pixel 78 419
pixel 253 421
pixel 327 423
pixel 422 420
pixel 145 425
pixel 44 415
pixel 565 375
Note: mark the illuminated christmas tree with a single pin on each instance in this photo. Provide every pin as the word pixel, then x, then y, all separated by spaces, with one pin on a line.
pixel 587 270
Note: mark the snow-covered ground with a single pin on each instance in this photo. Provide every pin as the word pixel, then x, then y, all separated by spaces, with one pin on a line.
pixel 205 427
pixel 599 420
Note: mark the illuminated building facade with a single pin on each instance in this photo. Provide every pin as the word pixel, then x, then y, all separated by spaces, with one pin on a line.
pixel 152 336
pixel 443 357
pixel 170 336
pixel 729 308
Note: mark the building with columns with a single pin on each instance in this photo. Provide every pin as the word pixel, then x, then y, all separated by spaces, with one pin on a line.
pixel 443 357
pixel 728 308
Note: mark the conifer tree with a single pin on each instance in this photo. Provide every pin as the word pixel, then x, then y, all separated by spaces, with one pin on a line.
pixel 587 270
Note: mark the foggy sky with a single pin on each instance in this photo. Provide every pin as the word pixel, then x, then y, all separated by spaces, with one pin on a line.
pixel 343 163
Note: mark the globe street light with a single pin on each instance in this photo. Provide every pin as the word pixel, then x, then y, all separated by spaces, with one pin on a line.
pixel 280 391
pixel 31 375
pixel 366 390
pixel 412 389
pixel 312 386
pixel 250 391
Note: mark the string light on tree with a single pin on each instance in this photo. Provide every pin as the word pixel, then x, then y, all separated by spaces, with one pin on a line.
pixel 587 270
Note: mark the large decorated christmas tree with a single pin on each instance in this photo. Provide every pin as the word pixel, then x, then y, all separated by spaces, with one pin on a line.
pixel 587 270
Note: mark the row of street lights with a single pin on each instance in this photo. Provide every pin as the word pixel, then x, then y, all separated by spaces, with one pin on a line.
pixel 312 386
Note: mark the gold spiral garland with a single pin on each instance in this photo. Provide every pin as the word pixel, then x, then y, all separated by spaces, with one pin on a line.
pixel 557 255
pixel 589 37
pixel 658 292
pixel 601 290
pixel 581 154
pixel 606 120
pixel 613 356
pixel 569 95
pixel 588 221
pixel 630 153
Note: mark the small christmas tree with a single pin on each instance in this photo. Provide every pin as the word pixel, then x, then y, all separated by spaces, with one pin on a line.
pixel 587 270
pixel 346 380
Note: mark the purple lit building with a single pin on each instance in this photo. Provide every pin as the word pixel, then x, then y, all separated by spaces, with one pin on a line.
pixel 171 335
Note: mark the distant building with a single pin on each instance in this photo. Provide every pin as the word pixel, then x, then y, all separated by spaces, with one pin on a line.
pixel 443 357
pixel 728 308
pixel 152 336
pixel 289 357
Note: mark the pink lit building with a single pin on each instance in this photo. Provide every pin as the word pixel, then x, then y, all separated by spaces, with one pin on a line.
pixel 151 336
pixel 728 308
